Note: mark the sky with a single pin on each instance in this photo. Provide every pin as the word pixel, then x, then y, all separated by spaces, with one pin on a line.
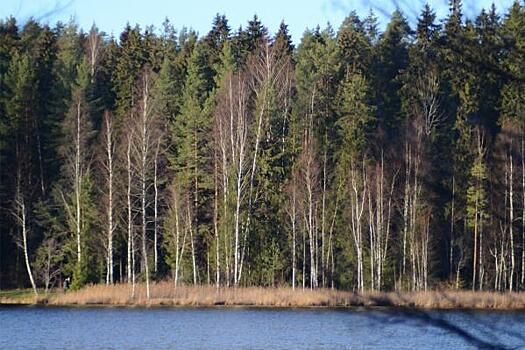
pixel 112 15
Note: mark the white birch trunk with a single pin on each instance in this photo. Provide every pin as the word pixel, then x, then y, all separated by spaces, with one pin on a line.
pixel 21 216
pixel 156 207
pixel 131 265
pixel 511 217
pixel 78 184
pixel 110 170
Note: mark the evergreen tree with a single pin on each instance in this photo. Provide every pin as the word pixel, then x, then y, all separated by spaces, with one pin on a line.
pixel 354 124
pixel 130 59
pixel 392 60
pixel 353 44
pixel 477 208
pixel 365 158
pixel 75 192
pixel 191 153
pixel 283 40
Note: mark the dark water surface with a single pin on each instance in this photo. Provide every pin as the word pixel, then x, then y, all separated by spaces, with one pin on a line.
pixel 221 328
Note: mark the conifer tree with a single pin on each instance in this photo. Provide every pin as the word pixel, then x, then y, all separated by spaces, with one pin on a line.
pixel 130 60
pixel 354 124
pixel 191 152
pixel 76 191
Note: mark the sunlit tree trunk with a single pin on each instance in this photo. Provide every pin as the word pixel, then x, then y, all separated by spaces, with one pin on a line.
pixel 22 218
pixel 20 214
pixel 511 218
pixel 291 209
pixel 156 206
pixel 357 179
pixel 78 180
pixel 143 213
pixel 146 135
pixel 408 168
pixel 216 219
pixel 323 218
pixel 175 216
pixel 94 49
pixel 192 243
pixel 129 207
pixel 523 208
pixel 108 165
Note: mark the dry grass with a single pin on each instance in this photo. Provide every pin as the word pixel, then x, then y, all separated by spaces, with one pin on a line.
pixel 19 296
pixel 164 293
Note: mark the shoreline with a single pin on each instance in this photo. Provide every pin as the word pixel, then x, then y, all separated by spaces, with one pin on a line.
pixel 406 309
pixel 165 294
pixel 260 307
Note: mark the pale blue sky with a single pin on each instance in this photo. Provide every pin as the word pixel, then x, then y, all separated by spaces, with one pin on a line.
pixel 112 15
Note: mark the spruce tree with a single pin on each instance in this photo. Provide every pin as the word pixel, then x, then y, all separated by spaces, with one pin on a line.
pixel 130 60
pixel 191 152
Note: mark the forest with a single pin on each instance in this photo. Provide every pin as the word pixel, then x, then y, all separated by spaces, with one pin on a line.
pixel 358 159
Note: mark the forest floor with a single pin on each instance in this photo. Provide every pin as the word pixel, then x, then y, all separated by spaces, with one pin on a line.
pixel 166 294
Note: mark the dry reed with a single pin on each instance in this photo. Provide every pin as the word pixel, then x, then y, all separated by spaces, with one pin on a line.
pixel 165 293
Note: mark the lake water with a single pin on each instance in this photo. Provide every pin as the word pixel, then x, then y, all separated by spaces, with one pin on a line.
pixel 249 328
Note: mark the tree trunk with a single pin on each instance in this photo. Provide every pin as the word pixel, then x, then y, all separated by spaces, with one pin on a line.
pixel 511 218
pixel 215 219
pixel 78 184
pixel 23 223
pixel 523 208
pixel 130 213
pixel 110 228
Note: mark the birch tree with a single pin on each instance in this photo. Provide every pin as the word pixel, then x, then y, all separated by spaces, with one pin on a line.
pixel 94 46
pixel 77 157
pixel 176 228
pixel 380 194
pixel 145 138
pixel 109 168
pixel 20 212
pixel 476 208
pixel 309 183
pixel 231 122
pixel 355 118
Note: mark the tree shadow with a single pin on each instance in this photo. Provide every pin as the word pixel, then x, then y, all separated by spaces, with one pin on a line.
pixel 481 329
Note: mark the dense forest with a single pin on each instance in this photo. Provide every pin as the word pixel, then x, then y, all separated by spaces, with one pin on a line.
pixel 359 159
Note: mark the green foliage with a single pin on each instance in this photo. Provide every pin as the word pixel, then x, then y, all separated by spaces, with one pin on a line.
pixel 191 153
pixel 316 79
pixel 356 117
pixel 270 263
pixel 477 198
pixel 354 46
pixel 130 59
pixel 356 95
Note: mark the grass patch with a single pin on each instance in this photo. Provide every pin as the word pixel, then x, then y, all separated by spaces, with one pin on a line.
pixel 25 296
pixel 16 293
pixel 18 296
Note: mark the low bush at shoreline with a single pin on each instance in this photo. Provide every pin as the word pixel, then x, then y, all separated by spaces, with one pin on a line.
pixel 166 294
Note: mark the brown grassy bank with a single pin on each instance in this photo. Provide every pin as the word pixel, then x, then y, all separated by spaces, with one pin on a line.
pixel 164 293
pixel 18 296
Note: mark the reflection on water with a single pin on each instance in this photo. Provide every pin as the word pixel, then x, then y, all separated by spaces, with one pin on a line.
pixel 220 328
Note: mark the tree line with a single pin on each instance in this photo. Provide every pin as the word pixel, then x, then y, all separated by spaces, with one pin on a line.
pixel 360 159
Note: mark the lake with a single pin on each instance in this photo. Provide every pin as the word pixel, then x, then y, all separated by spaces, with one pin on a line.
pixel 250 328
